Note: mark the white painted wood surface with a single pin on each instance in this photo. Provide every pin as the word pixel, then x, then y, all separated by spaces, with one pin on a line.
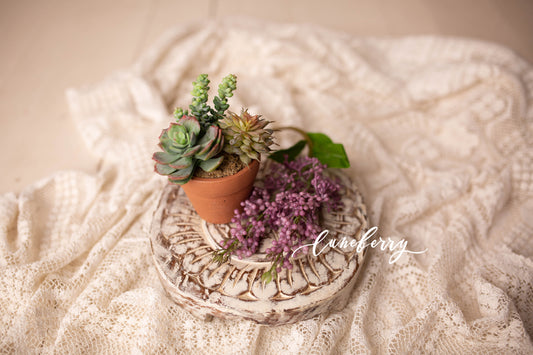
pixel 182 249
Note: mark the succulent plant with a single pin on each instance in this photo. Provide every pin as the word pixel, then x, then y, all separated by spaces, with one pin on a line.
pixel 202 132
pixel 199 107
pixel 184 149
pixel 246 135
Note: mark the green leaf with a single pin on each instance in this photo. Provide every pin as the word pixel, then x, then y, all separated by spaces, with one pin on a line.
pixel 266 277
pixel 319 138
pixel 164 169
pixel 291 152
pixel 183 175
pixel 167 145
pixel 189 152
pixel 181 163
pixel 211 164
pixel 329 153
pixel 191 124
pixel 165 158
pixel 218 103
pixel 210 143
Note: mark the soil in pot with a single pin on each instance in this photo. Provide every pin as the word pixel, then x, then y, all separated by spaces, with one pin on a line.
pixel 231 165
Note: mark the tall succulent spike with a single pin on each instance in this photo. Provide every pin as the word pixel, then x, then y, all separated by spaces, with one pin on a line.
pixel 225 90
pixel 199 107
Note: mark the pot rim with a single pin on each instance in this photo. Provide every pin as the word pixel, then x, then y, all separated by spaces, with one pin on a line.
pixel 234 176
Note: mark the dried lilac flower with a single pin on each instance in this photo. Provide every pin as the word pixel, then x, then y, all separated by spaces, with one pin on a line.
pixel 289 204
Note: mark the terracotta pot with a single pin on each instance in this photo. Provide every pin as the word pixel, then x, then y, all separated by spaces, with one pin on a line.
pixel 215 200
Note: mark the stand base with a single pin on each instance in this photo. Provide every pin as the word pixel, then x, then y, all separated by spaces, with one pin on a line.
pixel 183 245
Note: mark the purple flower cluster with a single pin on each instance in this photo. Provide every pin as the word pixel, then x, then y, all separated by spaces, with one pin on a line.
pixel 288 205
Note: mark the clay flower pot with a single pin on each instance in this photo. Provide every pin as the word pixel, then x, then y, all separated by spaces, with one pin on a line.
pixel 215 200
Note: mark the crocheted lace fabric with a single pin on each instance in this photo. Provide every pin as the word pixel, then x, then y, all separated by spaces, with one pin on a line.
pixel 439 133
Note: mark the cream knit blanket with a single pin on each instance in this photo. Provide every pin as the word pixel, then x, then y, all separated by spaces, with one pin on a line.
pixel 439 132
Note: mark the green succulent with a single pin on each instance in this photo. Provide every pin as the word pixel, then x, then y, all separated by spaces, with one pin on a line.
pixel 246 135
pixel 199 107
pixel 203 132
pixel 185 149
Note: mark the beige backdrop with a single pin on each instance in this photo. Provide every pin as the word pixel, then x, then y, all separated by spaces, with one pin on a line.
pixel 48 46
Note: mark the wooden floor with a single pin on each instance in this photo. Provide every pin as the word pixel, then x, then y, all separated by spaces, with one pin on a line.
pixel 47 46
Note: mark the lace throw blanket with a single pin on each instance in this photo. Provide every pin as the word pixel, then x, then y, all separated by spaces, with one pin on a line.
pixel 439 133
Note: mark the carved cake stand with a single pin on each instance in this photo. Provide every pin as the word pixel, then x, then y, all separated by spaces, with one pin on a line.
pixel 182 247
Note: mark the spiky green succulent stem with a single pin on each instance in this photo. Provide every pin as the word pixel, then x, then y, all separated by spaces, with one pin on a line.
pixel 225 90
pixel 199 107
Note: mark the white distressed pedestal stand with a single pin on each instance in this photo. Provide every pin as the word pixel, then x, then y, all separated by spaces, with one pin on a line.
pixel 183 244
